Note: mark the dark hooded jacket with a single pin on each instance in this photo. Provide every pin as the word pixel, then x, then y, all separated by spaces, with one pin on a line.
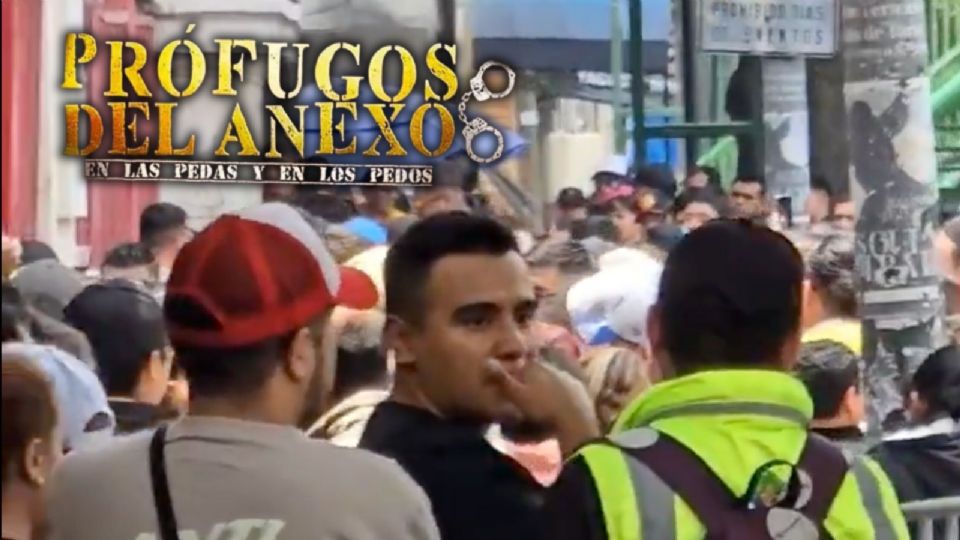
pixel 924 462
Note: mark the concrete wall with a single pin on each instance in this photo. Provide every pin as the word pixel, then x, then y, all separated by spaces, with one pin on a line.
pixel 61 188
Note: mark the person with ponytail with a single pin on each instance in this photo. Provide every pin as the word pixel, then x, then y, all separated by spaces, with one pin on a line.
pixel 924 461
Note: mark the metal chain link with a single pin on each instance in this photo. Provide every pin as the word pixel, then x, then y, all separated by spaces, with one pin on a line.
pixel 462 108
pixel 475 127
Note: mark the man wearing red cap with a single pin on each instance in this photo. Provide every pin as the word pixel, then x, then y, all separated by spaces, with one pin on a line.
pixel 245 308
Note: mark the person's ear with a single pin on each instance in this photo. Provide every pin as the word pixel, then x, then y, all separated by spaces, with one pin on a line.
pixel 398 337
pixel 658 352
pixel 302 358
pixel 36 462
pixel 852 405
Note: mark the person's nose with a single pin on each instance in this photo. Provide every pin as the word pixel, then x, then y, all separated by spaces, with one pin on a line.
pixel 513 347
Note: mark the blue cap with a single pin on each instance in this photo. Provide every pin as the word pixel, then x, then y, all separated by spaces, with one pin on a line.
pixel 80 396
pixel 367 229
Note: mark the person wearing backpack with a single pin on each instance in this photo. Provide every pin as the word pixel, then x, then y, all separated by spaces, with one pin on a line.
pixel 720 449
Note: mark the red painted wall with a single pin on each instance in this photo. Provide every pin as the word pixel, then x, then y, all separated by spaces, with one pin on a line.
pixel 114 207
pixel 20 118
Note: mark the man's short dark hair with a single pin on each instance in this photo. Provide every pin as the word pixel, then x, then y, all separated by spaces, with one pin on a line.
pixel 830 268
pixel 569 257
pixel 359 369
pixel 819 183
pixel 730 295
pixel 705 195
pixel 35 250
pixel 759 180
pixel 160 218
pixel 129 255
pixel 327 206
pixel 224 371
pixel 828 369
pixel 656 177
pixel 571 198
pixel 410 259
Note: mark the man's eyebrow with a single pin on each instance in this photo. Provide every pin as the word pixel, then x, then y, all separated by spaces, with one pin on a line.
pixel 527 304
pixel 477 309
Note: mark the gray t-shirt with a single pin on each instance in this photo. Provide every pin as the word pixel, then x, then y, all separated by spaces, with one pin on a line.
pixel 236 480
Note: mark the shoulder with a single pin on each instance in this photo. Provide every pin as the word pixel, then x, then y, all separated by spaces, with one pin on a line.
pixel 118 453
pixel 364 466
pixel 77 487
pixel 866 506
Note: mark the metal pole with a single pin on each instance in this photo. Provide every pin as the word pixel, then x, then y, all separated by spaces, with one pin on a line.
pixel 637 85
pixel 616 71
pixel 690 75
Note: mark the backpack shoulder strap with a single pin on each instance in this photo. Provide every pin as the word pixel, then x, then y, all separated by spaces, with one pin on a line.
pixel 827 467
pixel 166 519
pixel 688 476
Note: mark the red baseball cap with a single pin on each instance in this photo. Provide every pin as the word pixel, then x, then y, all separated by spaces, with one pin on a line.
pixel 257 274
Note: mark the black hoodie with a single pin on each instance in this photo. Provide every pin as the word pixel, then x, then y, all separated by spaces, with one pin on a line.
pixel 922 463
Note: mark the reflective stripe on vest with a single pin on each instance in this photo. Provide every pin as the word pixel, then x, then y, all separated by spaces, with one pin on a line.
pixel 618 501
pixel 738 407
pixel 619 478
pixel 872 501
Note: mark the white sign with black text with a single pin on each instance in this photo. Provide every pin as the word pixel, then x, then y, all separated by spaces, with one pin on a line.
pixel 769 27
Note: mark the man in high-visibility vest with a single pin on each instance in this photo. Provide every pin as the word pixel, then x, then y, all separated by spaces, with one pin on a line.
pixel 726 328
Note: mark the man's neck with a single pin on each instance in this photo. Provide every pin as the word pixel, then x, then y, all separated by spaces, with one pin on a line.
pixel 833 423
pixel 404 394
pixel 16 520
pixel 250 410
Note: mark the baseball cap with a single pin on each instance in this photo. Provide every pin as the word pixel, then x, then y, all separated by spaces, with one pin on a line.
pixel 48 285
pixel 614 303
pixel 81 399
pixel 257 274
pixel 367 229
pixel 122 322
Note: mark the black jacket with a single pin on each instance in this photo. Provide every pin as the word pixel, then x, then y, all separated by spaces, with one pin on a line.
pixel 476 492
pixel 924 467
pixel 134 416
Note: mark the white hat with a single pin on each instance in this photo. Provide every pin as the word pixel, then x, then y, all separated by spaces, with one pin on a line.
pixel 617 164
pixel 614 303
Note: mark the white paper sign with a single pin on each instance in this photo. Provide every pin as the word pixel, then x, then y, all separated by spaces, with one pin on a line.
pixel 769 27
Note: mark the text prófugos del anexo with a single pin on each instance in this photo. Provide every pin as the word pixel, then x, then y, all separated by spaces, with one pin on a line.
pixel 237 139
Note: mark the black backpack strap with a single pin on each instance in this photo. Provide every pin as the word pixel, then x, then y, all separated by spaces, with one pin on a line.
pixel 690 478
pixel 166 519
pixel 827 467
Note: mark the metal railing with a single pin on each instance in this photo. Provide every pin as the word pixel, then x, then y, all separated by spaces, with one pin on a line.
pixel 934 519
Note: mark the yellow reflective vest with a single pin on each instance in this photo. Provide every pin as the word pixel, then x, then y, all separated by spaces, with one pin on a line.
pixel 735 421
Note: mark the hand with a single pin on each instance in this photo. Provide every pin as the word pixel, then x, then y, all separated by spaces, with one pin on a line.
pixel 545 394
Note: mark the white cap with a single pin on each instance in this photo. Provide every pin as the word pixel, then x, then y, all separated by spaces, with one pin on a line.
pixel 616 164
pixel 615 302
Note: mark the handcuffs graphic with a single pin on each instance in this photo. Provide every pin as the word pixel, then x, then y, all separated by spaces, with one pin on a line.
pixel 477 126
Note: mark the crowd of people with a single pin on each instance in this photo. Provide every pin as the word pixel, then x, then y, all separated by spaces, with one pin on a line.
pixel 663 362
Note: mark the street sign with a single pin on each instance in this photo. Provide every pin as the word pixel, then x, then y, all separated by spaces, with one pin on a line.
pixel 769 27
